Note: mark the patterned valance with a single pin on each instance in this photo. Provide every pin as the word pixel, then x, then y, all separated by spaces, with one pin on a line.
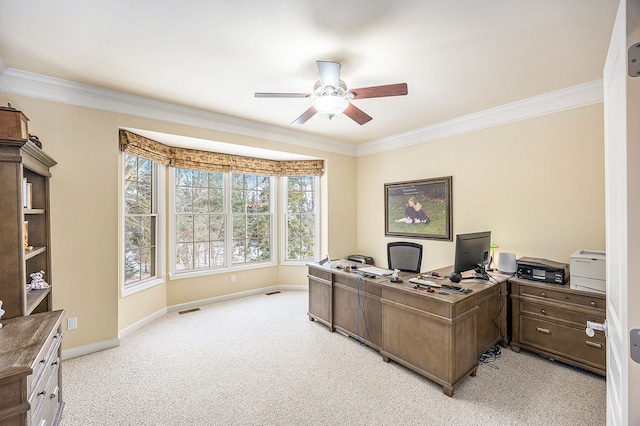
pixel 194 159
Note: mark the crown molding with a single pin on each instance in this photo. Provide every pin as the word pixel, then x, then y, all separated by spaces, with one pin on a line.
pixel 53 89
pixel 560 100
pixel 39 86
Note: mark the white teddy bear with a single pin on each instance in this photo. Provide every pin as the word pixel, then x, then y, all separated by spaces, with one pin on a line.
pixel 37 282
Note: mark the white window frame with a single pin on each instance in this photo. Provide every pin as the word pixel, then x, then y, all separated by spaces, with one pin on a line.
pixel 158 191
pixel 228 263
pixel 283 222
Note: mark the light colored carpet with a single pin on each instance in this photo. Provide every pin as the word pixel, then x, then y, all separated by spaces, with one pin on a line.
pixel 260 361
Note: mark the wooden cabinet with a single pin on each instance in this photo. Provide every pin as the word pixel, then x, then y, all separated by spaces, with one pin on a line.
pixel 19 159
pixel 30 373
pixel 550 319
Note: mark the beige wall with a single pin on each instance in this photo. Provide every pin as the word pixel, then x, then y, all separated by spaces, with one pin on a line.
pixel 85 212
pixel 537 184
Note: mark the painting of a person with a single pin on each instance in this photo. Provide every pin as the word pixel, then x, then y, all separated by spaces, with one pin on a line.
pixel 421 215
pixel 409 211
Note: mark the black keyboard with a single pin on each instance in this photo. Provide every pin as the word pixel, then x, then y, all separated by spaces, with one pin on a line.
pixel 456 288
pixel 452 287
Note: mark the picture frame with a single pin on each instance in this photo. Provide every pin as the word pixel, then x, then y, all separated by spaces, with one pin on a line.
pixel 419 209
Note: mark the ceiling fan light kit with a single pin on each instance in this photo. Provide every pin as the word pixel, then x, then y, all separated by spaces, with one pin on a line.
pixel 330 105
pixel 330 95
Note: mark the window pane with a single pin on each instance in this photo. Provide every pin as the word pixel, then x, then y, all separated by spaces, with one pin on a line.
pixel 184 228
pixel 201 255
pixel 184 199
pixel 301 218
pixel 140 225
pixel 199 195
pixel 201 228
pixel 184 256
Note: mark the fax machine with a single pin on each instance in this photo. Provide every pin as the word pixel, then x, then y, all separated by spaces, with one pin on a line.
pixel 588 271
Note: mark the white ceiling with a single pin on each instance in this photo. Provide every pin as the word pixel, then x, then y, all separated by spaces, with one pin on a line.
pixel 457 56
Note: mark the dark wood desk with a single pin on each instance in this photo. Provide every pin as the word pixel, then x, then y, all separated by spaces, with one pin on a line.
pixel 438 335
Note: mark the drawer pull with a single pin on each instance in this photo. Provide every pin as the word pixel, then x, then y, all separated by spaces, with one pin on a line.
pixel 543 330
pixel 54 393
pixel 543 294
pixel 593 303
pixel 594 344
pixel 543 311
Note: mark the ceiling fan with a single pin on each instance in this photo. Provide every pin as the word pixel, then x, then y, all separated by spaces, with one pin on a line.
pixel 331 97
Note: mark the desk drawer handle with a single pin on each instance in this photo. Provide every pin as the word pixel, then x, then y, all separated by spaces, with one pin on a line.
pixel 543 311
pixel 594 344
pixel 54 393
pixel 593 303
pixel 543 330
pixel 543 294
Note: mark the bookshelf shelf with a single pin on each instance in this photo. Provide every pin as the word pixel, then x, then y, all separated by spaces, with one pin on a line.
pixel 28 254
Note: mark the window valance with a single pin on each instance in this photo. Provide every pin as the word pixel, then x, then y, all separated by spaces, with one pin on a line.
pixel 141 146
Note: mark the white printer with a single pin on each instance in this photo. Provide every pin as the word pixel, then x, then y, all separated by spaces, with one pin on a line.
pixel 588 271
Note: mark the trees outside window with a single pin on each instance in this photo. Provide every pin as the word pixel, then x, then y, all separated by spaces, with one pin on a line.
pixel 301 218
pixel 140 220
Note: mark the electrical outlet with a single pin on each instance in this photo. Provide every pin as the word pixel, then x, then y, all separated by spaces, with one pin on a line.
pixel 72 323
pixel 233 278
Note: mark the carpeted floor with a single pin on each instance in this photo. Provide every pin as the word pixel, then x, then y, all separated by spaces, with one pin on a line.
pixel 260 361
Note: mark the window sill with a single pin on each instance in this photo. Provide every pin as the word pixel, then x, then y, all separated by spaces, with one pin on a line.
pixel 217 271
pixel 128 291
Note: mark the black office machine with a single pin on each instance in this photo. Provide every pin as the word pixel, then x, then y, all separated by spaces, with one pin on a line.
pixel 361 259
pixel 543 270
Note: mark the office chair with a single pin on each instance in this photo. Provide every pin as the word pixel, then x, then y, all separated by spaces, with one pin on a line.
pixel 404 256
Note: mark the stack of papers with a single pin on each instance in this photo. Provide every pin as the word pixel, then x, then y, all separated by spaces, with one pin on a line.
pixel 374 270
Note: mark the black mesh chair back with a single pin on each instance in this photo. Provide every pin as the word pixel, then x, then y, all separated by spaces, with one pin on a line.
pixel 404 256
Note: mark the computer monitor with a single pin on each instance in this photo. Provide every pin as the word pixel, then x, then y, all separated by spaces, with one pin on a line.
pixel 472 252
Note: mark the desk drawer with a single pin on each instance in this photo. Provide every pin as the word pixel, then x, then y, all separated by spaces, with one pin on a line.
pixel 553 311
pixel 45 402
pixel 320 273
pixel 563 340
pixel 45 358
pixel 591 301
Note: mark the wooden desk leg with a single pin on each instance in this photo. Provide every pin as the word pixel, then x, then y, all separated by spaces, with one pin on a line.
pixel 447 390
pixel 385 358
pixel 473 373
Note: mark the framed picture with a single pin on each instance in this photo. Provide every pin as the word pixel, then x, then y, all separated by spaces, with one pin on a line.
pixel 419 209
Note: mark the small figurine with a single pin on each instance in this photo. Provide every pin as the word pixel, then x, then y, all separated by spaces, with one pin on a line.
pixel 1 312
pixel 37 282
pixel 394 277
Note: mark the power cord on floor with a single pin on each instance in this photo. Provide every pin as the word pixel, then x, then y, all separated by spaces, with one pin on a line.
pixel 490 356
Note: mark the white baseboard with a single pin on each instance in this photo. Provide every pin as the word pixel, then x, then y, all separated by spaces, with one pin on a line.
pixel 89 349
pixel 108 344
pixel 144 321
pixel 209 301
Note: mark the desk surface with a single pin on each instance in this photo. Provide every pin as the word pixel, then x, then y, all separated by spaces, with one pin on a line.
pixel 475 285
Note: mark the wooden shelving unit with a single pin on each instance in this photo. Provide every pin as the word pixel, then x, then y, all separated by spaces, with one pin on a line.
pixel 19 159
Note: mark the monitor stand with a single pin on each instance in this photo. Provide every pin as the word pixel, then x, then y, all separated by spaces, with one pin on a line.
pixel 480 274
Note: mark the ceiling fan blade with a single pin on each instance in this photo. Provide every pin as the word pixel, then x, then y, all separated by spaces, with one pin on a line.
pixel 357 115
pixel 282 95
pixel 380 91
pixel 329 73
pixel 306 115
